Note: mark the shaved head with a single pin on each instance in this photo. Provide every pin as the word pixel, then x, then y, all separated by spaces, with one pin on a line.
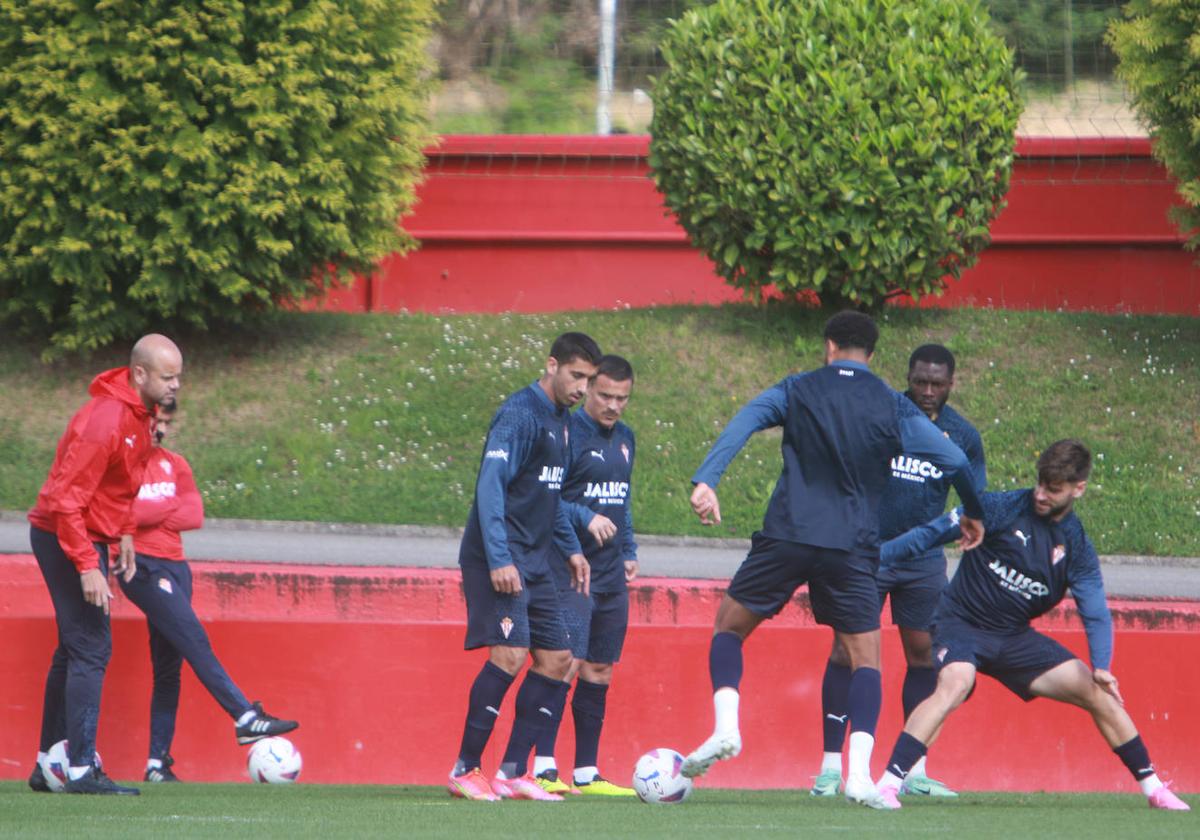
pixel 155 367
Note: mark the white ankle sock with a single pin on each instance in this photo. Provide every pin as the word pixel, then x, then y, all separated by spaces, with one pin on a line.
pixel 585 775
pixel 725 705
pixel 1150 784
pixel 890 779
pixel 154 764
pixel 831 761
pixel 918 769
pixel 74 772
pixel 861 744
pixel 246 718
pixel 542 763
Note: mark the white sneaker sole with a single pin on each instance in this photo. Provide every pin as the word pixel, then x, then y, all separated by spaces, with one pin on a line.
pixel 716 748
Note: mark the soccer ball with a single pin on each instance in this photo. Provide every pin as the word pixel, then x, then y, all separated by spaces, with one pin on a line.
pixel 657 779
pixel 275 761
pixel 54 766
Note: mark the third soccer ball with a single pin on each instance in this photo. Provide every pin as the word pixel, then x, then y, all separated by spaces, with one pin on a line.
pixel 54 766
pixel 275 761
pixel 657 779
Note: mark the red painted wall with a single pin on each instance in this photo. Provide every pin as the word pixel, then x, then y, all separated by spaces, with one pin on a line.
pixel 566 223
pixel 371 662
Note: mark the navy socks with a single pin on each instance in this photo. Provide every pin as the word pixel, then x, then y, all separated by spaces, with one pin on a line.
pixel 835 696
pixel 725 660
pixel 535 710
pixel 483 707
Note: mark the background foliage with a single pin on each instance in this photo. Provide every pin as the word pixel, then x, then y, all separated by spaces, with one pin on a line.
pixel 199 160
pixel 1159 51
pixel 854 148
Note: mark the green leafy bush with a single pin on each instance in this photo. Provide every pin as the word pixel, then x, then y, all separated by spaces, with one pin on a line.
pixel 855 148
pixel 200 159
pixel 1157 47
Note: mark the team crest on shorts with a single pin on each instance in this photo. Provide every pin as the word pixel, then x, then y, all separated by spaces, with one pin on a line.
pixel 506 626
pixel 1060 551
pixel 165 585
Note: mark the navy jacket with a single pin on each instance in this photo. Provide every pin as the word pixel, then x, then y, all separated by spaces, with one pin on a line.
pixel 842 425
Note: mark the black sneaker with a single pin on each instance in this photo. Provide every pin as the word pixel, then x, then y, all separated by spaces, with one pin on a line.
pixel 262 725
pixel 95 781
pixel 163 773
pixel 37 780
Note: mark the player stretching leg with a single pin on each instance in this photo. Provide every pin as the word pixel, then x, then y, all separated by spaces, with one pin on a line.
pixel 167 504
pixel 516 532
pixel 1035 550
pixel 916 493
pixel 598 498
pixel 841 427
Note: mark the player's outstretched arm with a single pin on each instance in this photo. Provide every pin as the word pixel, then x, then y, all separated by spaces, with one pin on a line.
pixel 918 540
pixel 767 410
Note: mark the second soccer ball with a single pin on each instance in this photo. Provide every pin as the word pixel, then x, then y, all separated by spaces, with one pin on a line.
pixel 657 779
pixel 274 761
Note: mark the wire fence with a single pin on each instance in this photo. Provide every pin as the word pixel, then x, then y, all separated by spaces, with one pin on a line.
pixel 587 66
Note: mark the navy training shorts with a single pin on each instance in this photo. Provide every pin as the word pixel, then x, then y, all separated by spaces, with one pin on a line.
pixel 1013 659
pixel 913 592
pixel 530 619
pixel 596 624
pixel 841 585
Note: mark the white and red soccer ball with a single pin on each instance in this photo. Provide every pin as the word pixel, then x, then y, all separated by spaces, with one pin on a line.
pixel 657 779
pixel 274 761
pixel 55 766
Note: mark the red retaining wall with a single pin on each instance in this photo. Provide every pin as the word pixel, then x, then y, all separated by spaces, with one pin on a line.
pixel 371 662
pixel 535 224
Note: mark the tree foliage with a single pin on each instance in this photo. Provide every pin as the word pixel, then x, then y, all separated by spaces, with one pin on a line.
pixel 855 148
pixel 200 159
pixel 1159 46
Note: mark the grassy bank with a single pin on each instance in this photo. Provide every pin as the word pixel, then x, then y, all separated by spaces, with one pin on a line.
pixel 381 418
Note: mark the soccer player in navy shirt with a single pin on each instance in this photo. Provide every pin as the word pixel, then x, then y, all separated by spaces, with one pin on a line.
pixel 1035 550
pixel 598 497
pixel 916 493
pixel 517 532
pixel 841 427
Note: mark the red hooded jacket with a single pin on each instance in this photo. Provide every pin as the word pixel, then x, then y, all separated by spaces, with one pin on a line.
pixel 88 496
pixel 167 503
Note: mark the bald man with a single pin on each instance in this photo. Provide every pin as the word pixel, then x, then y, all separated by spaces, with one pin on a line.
pixel 85 505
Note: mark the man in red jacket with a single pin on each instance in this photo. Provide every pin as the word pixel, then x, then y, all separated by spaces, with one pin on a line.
pixel 85 505
pixel 168 503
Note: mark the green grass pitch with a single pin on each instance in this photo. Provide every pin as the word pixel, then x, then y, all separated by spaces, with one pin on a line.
pixel 335 811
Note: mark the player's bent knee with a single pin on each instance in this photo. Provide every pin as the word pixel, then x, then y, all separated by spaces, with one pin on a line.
pixel 508 659
pixel 555 664
pixel 954 685
pixel 597 672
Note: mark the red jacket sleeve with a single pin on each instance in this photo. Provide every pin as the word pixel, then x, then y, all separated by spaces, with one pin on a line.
pixel 188 512
pixel 80 470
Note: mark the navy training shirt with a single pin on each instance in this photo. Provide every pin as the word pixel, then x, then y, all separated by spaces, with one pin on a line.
pixel 516 516
pixel 600 481
pixel 841 427
pixel 1023 569
pixel 917 490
